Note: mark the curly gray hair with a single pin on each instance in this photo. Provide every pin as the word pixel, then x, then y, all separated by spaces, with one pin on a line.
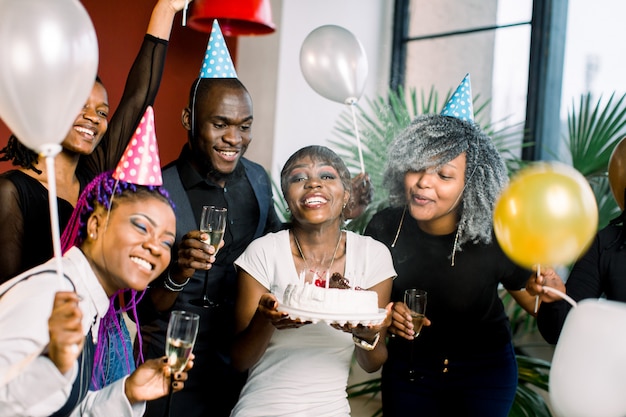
pixel 432 141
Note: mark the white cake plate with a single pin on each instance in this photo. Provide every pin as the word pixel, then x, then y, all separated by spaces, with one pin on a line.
pixel 340 319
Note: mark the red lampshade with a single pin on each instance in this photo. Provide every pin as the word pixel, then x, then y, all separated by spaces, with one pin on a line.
pixel 235 17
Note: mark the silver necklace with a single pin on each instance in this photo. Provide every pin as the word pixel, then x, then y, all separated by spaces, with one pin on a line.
pixel 395 239
pixel 306 264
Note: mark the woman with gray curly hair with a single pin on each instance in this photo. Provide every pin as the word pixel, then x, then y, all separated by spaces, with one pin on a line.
pixel 444 175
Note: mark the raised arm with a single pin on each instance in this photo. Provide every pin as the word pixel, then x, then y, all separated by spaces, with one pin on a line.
pixel 142 86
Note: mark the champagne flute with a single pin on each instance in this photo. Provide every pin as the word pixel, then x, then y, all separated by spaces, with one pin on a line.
pixel 213 223
pixel 415 300
pixel 182 330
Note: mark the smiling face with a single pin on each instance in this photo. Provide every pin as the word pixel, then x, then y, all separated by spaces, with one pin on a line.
pixel 131 247
pixel 90 124
pixel 314 191
pixel 222 128
pixel 433 195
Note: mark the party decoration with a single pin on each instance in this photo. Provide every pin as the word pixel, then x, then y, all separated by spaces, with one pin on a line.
pixel 334 64
pixel 617 172
pixel 588 371
pixel 217 62
pixel 460 104
pixel 140 163
pixel 237 18
pixel 48 64
pixel 546 216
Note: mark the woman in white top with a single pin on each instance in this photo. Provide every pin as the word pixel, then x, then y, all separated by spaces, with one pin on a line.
pixel 299 368
pixel 125 233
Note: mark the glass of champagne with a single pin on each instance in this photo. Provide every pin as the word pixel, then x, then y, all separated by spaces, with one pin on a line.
pixel 415 299
pixel 213 223
pixel 182 330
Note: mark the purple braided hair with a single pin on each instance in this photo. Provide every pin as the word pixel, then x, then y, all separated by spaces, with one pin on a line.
pixel 101 192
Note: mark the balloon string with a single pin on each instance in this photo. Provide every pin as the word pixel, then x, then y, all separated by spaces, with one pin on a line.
pixel 54 216
pixel 356 133
pixel 561 294
pixel 185 13
pixel 537 297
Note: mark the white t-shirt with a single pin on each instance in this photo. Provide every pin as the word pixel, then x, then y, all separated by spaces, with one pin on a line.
pixel 304 371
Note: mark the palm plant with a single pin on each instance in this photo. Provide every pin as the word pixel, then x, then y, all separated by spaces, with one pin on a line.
pixel 594 128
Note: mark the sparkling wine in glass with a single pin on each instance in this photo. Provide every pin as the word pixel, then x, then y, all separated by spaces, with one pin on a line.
pixel 182 330
pixel 213 223
pixel 415 299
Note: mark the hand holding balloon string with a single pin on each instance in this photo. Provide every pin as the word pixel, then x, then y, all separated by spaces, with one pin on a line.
pixel 540 285
pixel 547 215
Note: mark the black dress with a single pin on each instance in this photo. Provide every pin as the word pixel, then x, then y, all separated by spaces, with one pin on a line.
pixel 463 364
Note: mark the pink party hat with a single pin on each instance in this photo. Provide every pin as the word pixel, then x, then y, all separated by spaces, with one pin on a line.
pixel 460 104
pixel 217 62
pixel 140 163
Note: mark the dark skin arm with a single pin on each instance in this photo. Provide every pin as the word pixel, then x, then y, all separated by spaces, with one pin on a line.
pixel 548 277
pixel 401 324
pixel 361 196
pixel 371 361
pixel 151 380
pixel 66 331
pixel 258 315
pixel 193 254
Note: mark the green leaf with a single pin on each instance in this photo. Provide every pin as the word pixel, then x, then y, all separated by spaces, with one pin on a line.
pixel 593 132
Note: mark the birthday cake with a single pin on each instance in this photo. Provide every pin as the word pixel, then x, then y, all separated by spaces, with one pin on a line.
pixel 337 300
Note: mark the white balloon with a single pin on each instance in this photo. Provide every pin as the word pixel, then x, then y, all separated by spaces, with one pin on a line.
pixel 334 64
pixel 588 372
pixel 48 65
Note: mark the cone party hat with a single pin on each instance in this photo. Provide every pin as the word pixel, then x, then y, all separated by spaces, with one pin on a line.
pixel 141 163
pixel 460 104
pixel 217 62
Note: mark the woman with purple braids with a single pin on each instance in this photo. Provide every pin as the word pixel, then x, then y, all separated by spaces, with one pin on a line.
pixel 122 234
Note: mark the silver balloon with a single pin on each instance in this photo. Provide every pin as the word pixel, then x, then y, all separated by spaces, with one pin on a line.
pixel 334 64
pixel 48 65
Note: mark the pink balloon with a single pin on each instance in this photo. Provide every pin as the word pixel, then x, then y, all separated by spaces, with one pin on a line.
pixel 48 65
pixel 334 64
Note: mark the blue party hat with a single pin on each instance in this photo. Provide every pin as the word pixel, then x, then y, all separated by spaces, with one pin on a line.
pixel 460 104
pixel 217 62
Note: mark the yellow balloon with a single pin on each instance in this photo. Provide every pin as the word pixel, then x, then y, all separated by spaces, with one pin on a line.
pixel 548 215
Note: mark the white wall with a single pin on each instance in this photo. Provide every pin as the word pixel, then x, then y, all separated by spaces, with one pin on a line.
pixel 286 108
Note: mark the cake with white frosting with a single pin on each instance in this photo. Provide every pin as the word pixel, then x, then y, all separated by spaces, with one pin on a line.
pixel 309 297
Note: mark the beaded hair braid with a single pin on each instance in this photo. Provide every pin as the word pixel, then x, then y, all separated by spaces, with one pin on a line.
pixel 106 191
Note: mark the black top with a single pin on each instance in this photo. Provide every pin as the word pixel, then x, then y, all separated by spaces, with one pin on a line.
pixel 235 196
pixel 601 272
pixel 463 304
pixel 25 231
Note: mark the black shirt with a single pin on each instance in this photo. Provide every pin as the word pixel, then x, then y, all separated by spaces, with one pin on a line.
pixel 237 196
